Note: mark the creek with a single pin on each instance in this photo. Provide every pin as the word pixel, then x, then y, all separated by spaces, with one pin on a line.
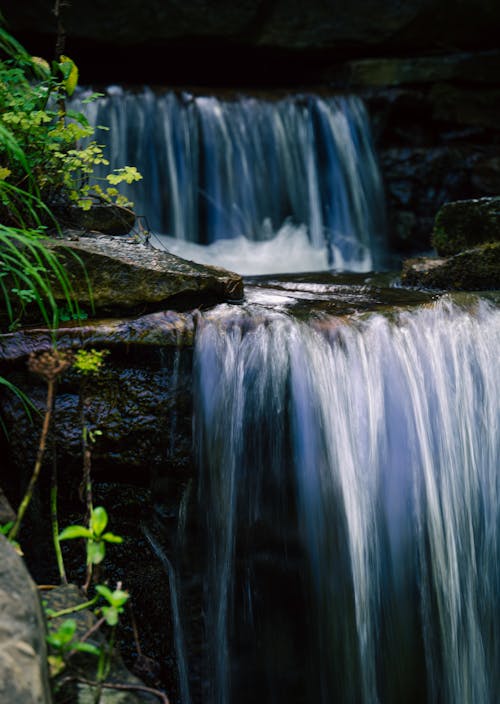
pixel 346 431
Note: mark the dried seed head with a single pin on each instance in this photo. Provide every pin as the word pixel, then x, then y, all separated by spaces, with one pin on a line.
pixel 51 364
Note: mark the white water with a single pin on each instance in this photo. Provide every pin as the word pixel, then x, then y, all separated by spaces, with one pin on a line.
pixel 382 439
pixel 245 257
pixel 252 182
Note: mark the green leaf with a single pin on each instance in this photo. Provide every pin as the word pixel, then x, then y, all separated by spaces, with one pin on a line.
pixel 70 72
pixel 63 635
pixel 105 592
pixel 98 520
pixel 87 648
pixel 110 613
pixel 119 597
pixel 75 532
pixel 112 538
pixel 95 552
pixel 5 528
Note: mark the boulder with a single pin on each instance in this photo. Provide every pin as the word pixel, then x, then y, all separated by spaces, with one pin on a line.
pixel 106 218
pixel 123 275
pixel 476 269
pixel 23 654
pixel 463 224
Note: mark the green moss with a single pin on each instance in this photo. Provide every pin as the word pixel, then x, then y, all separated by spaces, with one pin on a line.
pixel 476 269
pixel 463 224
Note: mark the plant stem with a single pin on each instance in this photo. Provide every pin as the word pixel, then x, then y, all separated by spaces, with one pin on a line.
pixel 38 463
pixel 73 609
pixel 55 520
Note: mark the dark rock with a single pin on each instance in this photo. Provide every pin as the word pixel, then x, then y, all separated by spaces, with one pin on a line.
pixel 7 513
pixel 465 106
pixel 482 67
pixel 140 406
pixel 124 276
pixel 476 269
pixel 462 224
pixel 198 32
pixel 417 183
pixel 162 329
pixel 23 654
pixel 107 218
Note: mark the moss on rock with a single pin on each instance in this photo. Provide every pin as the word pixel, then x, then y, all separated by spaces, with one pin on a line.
pixel 463 224
pixel 476 269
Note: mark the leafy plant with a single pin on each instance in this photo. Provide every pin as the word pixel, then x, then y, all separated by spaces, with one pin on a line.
pixel 116 599
pixel 29 274
pixel 5 529
pixel 64 643
pixel 45 149
pixel 94 535
pixel 89 362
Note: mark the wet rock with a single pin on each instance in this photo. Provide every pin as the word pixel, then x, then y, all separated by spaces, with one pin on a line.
pixel 139 410
pixel 462 224
pixel 123 275
pixel 23 655
pixel 476 269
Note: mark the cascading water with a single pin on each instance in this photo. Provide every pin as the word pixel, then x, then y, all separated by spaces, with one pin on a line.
pixel 350 482
pixel 264 185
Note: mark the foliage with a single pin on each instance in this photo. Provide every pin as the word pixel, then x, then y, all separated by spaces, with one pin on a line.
pixel 29 274
pixel 89 362
pixel 116 599
pixel 94 535
pixel 46 150
pixel 5 529
pixel 64 643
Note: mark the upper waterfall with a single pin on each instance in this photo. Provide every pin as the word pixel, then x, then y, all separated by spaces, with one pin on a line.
pixel 302 167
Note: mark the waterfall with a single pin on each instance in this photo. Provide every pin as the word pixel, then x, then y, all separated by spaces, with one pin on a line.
pixel 246 169
pixel 351 487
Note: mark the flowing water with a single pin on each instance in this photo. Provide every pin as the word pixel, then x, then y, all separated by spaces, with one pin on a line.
pixel 348 453
pixel 350 483
pixel 251 184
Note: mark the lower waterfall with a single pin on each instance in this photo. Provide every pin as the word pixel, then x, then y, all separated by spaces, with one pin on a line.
pixel 350 485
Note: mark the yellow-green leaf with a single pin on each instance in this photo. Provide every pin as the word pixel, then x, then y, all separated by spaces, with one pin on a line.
pixel 70 72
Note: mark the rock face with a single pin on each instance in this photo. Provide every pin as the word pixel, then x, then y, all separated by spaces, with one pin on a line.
pixel 23 654
pixel 463 224
pixel 432 150
pixel 140 403
pixel 272 23
pixel 129 276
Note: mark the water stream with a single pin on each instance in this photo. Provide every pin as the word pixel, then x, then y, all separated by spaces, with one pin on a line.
pixel 346 430
pixel 256 185
pixel 349 479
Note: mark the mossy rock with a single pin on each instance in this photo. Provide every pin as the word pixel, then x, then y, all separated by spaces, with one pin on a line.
pixel 476 269
pixel 463 224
